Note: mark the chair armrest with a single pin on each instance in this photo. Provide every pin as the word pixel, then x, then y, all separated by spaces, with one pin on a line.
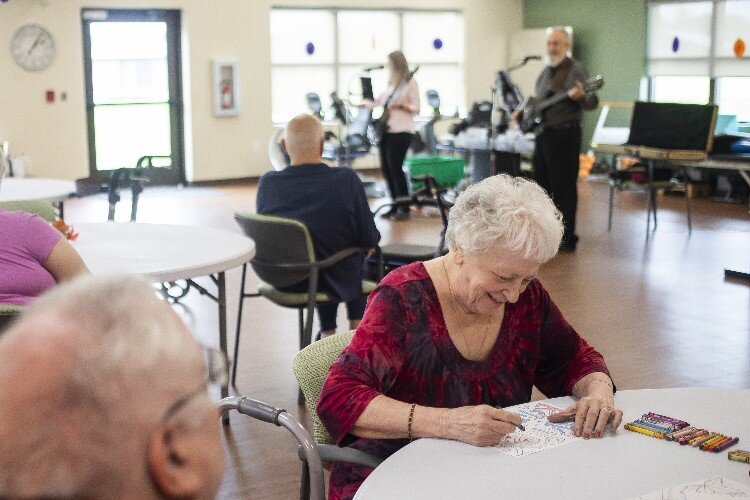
pixel 339 256
pixel 333 453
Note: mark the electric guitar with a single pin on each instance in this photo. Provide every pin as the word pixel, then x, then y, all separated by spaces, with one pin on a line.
pixel 380 126
pixel 532 107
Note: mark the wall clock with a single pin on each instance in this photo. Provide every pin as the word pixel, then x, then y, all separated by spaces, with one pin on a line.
pixel 32 47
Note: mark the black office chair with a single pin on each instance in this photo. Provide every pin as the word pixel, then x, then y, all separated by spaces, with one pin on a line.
pixel 284 256
pixel 393 255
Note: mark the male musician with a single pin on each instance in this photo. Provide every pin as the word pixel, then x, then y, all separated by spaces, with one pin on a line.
pixel 558 145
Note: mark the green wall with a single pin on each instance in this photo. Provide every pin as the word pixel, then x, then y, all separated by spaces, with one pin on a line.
pixel 609 37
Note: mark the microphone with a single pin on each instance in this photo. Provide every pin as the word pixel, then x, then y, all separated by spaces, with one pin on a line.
pixel 373 68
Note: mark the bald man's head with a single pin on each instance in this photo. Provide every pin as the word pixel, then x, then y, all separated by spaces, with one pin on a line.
pixel 303 140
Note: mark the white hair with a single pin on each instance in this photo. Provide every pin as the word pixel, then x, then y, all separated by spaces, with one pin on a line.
pixel 562 30
pixel 124 359
pixel 511 213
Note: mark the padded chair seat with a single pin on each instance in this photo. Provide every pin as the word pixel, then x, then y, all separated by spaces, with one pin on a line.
pixel 405 251
pixel 293 299
pixel 10 309
pixel 42 208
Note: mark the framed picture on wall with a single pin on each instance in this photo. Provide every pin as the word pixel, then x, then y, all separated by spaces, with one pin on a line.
pixel 226 88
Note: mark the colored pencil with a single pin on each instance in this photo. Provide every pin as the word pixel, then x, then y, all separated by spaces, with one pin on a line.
pixel 726 445
pixel 644 430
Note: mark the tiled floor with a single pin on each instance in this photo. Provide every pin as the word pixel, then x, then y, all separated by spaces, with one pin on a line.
pixel 656 305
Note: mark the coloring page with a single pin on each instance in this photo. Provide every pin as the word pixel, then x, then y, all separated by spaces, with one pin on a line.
pixel 540 434
pixel 713 487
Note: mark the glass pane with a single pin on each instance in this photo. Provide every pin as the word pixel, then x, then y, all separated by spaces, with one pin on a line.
pixel 448 81
pixel 290 85
pixel 684 89
pixel 367 36
pixel 129 62
pixel 732 35
pixel 433 37
pixel 302 36
pixel 125 133
pixel 679 30
pixel 733 97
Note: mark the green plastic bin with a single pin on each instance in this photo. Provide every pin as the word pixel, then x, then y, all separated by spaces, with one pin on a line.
pixel 447 171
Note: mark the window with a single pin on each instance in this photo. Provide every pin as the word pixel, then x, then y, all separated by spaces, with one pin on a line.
pixel 698 52
pixel 326 50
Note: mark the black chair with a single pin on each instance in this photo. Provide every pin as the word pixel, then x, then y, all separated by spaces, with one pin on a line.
pixel 393 255
pixel 284 256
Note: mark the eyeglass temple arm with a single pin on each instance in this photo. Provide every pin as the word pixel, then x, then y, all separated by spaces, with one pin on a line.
pixel 267 413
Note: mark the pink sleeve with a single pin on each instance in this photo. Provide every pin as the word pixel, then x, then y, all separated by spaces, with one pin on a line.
pixel 565 357
pixel 367 367
pixel 412 97
pixel 39 237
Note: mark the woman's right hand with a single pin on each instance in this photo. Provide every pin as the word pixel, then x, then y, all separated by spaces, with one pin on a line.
pixel 480 425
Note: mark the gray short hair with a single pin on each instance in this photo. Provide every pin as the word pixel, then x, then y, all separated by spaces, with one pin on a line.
pixel 123 355
pixel 507 212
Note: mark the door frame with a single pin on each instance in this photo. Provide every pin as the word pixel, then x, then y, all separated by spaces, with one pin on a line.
pixel 172 17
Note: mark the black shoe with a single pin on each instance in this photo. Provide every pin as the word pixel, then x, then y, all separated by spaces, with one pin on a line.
pixel 389 213
pixel 401 215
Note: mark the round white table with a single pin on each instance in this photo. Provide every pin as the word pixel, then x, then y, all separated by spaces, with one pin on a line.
pixel 23 188
pixel 163 252
pixel 620 465
pixel 56 191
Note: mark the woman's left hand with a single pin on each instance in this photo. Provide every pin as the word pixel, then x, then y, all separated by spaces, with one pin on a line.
pixel 592 414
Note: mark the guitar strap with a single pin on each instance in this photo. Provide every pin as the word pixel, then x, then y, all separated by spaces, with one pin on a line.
pixel 560 74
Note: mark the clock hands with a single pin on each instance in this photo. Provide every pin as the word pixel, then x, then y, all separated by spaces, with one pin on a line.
pixel 36 42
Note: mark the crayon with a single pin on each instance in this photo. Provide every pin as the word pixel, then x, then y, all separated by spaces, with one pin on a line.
pixel 703 439
pixel 690 438
pixel 719 437
pixel 680 433
pixel 652 426
pixel 738 457
pixel 726 445
pixel 718 443
pixel 644 430
pixel 669 419
pixel 742 452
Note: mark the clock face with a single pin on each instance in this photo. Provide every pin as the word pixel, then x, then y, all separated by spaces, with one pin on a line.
pixel 32 47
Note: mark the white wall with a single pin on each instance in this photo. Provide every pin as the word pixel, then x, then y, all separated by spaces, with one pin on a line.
pixel 55 135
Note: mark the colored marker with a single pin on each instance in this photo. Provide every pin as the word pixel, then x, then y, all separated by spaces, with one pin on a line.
pixel 643 430
pixel 726 445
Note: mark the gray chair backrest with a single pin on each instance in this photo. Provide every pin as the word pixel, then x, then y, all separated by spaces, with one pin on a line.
pixel 279 243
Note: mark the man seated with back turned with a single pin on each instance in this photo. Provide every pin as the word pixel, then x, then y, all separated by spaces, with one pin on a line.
pixel 103 395
pixel 331 202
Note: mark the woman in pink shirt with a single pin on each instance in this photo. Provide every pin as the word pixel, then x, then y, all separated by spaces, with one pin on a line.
pixel 34 257
pixel 402 99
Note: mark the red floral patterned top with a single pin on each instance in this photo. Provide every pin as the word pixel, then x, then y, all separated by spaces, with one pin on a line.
pixel 402 350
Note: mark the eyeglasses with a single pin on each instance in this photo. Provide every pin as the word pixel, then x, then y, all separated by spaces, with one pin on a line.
pixel 217 373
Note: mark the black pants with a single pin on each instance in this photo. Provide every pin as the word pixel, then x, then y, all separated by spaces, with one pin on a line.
pixel 393 148
pixel 556 170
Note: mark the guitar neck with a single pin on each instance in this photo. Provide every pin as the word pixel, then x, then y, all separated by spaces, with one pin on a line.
pixel 551 101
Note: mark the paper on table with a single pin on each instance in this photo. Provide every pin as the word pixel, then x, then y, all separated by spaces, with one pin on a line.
pixel 540 433
pixel 713 487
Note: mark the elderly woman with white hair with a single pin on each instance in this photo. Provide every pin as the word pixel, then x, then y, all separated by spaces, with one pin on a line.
pixel 444 345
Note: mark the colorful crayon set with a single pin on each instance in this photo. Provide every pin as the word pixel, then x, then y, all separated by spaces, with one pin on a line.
pixel 672 429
